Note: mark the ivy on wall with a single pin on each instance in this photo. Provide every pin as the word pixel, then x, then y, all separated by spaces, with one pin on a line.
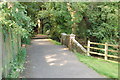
pixel 16 29
pixel 14 16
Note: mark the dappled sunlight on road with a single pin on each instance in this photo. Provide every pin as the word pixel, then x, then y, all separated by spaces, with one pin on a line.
pixel 64 53
pixel 50 60
pixel 63 49
pixel 47 60
pixel 52 64
pixel 37 40
pixel 49 56
pixel 41 43
pixel 54 60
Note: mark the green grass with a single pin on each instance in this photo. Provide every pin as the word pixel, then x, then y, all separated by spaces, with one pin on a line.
pixel 105 68
pixel 55 42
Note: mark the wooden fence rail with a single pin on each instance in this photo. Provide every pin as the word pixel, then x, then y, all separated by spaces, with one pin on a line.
pixel 106 45
pixel 70 41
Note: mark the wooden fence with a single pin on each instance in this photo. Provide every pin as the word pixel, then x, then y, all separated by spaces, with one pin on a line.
pixel 105 49
pixel 70 41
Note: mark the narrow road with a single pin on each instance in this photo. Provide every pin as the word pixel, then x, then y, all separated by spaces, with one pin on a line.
pixel 46 60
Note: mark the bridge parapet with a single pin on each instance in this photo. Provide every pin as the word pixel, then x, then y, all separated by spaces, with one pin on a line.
pixel 70 41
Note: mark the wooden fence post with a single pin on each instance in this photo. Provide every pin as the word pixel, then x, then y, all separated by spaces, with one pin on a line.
pixel 88 48
pixel 106 51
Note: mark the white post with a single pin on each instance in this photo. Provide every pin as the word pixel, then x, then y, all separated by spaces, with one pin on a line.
pixel 106 51
pixel 39 26
pixel 0 53
pixel 88 48
pixel 63 35
pixel 72 36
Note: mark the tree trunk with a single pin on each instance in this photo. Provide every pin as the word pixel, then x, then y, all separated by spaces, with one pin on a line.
pixel 72 13
pixel 39 26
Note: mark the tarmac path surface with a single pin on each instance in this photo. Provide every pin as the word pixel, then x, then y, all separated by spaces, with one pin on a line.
pixel 47 60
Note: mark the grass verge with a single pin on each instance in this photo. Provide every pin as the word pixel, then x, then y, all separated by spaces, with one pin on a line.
pixel 17 65
pixel 55 42
pixel 105 68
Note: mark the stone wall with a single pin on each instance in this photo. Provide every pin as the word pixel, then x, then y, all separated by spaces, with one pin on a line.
pixel 71 43
pixel 0 53
pixel 10 45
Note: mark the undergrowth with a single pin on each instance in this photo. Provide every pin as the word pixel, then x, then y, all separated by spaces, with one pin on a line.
pixel 17 65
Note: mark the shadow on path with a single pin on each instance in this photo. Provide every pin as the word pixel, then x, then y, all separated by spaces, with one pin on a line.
pixel 46 60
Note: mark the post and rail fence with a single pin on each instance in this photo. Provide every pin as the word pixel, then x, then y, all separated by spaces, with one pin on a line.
pixel 105 49
pixel 70 41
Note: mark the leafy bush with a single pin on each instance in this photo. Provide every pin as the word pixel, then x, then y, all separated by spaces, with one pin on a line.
pixel 14 16
pixel 17 64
